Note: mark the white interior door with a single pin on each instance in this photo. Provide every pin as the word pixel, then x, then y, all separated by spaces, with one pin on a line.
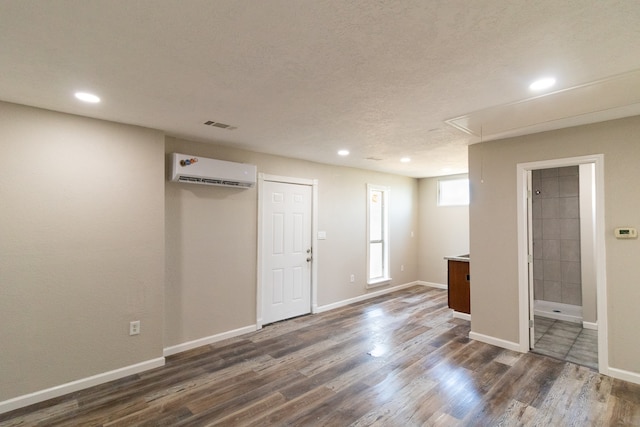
pixel 286 250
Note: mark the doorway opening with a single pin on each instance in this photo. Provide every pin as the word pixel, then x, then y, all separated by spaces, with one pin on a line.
pixel 561 236
pixel 561 260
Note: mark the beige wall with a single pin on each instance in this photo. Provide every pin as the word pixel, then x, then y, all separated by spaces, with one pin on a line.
pixel 443 231
pixel 81 247
pixel 212 240
pixel 493 228
pixel 82 241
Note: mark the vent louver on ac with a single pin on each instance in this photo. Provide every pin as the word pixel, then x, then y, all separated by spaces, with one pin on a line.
pixel 212 181
pixel 200 170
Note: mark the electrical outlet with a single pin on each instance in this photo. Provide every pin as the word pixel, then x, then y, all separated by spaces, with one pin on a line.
pixel 402 267
pixel 353 278
pixel 134 327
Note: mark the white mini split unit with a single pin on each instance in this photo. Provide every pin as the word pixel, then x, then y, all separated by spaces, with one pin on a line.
pixel 200 170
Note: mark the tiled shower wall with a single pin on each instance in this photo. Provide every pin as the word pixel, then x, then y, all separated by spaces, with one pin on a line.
pixel 556 235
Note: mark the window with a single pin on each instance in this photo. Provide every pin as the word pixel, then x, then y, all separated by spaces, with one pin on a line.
pixel 378 235
pixel 453 192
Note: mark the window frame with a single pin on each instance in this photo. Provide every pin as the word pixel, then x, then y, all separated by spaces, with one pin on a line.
pixel 386 276
pixel 449 179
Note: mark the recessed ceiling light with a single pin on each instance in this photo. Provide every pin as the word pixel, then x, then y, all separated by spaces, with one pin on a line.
pixel 343 152
pixel 87 97
pixel 405 160
pixel 542 84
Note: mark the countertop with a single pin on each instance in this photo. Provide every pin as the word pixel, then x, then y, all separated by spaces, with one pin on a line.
pixel 463 258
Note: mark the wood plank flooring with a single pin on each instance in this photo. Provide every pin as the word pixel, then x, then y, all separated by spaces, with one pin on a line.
pixel 395 360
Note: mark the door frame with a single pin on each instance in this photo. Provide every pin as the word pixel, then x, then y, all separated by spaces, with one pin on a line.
pixel 523 171
pixel 313 183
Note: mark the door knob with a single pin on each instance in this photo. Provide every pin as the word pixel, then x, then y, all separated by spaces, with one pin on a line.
pixel 309 259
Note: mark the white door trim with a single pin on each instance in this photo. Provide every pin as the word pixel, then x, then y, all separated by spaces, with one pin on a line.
pixel 601 276
pixel 262 177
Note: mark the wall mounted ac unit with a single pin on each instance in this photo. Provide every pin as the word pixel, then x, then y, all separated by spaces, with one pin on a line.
pixel 200 170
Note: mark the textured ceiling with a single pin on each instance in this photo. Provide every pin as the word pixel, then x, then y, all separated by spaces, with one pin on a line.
pixel 304 78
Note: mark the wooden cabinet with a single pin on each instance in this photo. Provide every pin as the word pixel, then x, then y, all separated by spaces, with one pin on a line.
pixel 458 283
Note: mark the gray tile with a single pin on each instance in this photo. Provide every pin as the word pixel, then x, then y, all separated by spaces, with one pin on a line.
pixel 552 291
pixel 538 271
pixel 590 335
pixel 570 250
pixel 588 361
pixel 537 229
pixel 552 270
pixel 584 353
pixel 585 346
pixel 551 228
pixel 551 353
pixel 555 347
pixel 568 207
pixel 550 207
pixel 570 272
pixel 568 186
pixel 573 327
pixel 587 342
pixel 551 249
pixel 549 188
pixel 542 324
pixel 568 228
pixel 558 345
pixel 571 293
pixel 554 338
pixel 538 248
pixel 563 336
pixel 538 289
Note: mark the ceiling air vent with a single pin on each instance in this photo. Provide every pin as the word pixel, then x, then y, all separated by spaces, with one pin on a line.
pixel 220 125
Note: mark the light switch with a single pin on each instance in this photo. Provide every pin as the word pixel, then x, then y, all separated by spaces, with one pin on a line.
pixel 322 235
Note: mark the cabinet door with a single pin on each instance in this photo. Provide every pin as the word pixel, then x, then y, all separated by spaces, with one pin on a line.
pixel 459 293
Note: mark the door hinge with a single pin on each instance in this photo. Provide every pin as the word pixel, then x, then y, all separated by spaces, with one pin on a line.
pixel 529 259
pixel 531 323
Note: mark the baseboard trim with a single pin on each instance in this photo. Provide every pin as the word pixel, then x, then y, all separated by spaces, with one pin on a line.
pixel 621 374
pixel 190 345
pixel 70 387
pixel 432 284
pixel 590 325
pixel 463 316
pixel 323 308
pixel 497 342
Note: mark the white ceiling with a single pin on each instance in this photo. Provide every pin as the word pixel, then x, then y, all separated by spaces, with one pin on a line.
pixel 304 78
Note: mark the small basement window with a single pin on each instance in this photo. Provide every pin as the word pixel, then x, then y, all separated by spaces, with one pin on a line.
pixel 453 192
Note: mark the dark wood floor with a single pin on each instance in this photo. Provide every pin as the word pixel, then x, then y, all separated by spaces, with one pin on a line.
pixel 396 360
